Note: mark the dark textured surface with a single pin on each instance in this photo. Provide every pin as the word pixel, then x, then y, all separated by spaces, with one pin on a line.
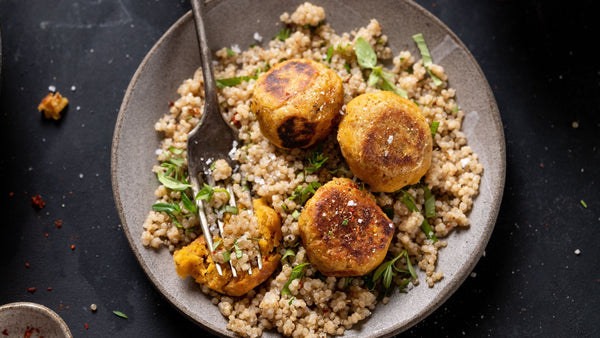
pixel 537 56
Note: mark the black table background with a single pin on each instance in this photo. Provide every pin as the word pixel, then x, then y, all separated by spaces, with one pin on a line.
pixel 538 58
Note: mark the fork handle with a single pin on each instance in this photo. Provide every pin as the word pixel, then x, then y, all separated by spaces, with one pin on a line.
pixel 205 57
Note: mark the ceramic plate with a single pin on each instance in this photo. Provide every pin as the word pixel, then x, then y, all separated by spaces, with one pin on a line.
pixel 26 319
pixel 175 58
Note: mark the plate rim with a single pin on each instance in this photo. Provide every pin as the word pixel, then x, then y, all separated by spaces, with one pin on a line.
pixel 496 191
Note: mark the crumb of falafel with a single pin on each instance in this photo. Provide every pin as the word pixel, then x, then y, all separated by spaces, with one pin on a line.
pixel 52 105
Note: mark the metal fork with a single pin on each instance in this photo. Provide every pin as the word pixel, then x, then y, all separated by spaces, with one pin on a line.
pixel 212 139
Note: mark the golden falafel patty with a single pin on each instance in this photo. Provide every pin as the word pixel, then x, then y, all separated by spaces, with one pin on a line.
pixel 386 140
pixel 196 261
pixel 344 231
pixel 297 103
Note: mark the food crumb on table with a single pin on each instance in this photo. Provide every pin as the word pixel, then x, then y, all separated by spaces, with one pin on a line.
pixel 52 105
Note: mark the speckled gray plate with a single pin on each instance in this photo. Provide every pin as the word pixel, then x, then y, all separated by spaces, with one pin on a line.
pixel 16 319
pixel 175 57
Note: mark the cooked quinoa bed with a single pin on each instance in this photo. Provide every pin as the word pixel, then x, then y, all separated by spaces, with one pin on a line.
pixel 318 305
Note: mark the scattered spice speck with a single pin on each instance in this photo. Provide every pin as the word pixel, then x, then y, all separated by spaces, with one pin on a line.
pixel 49 288
pixel 577 252
pixel 94 307
pixel 27 265
pixel 86 326
pixel 32 290
pixel 72 246
pixel 58 223
pixel 38 202
pixel 5 332
pixel 583 203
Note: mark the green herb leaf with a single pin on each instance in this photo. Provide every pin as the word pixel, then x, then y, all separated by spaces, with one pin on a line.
pixel 583 204
pixel 227 256
pixel 387 85
pixel 166 207
pixel 345 222
pixel 230 209
pixel 402 287
pixel 205 193
pixel 175 151
pixel 420 41
pixel 233 81
pixel 284 33
pixel 230 52
pixel 365 55
pixel 329 54
pixel 172 183
pixel 296 214
pixel 409 266
pixel 409 201
pixel 238 251
pixel 428 231
pixel 288 253
pixel 291 300
pixel 386 271
pixel 216 244
pixel 429 202
pixel 316 159
pixel 434 127
pixel 120 314
pixel 188 204
pixel 297 273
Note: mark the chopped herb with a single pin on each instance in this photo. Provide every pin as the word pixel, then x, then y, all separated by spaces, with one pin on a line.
pixel 252 45
pixel 178 162
pixel 429 202
pixel 207 192
pixel 120 314
pixel 230 209
pixel 434 127
pixel 316 159
pixel 288 253
pixel 348 281
pixel 166 207
pixel 428 231
pixel 329 233
pixel 233 81
pixel 175 151
pixel 329 54
pixel 583 203
pixel 238 251
pixel 402 287
pixel 230 52
pixel 170 210
pixel 216 244
pixel 386 271
pixel 284 33
pixel 227 256
pixel 455 109
pixel 284 207
pixel 188 204
pixel 304 194
pixel 409 201
pixel 420 41
pixel 347 67
pixel 296 214
pixel 291 300
pixel 366 58
pixel 345 222
pixel 171 182
pixel 297 273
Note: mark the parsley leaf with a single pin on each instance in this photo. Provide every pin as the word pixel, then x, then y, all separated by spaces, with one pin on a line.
pixel 297 273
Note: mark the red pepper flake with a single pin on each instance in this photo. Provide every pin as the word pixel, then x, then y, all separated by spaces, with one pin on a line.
pixel 60 306
pixel 32 290
pixel 58 223
pixel 27 264
pixel 86 326
pixel 46 235
pixel 11 194
pixel 49 288
pixel 171 103
pixel 28 332
pixel 72 246
pixel 70 193
pixel 38 202
pixel 5 332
